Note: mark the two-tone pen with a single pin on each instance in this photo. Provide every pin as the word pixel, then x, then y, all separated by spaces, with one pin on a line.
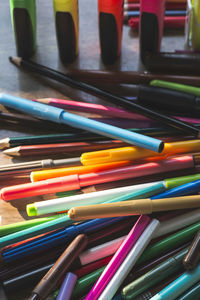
pixel 26 167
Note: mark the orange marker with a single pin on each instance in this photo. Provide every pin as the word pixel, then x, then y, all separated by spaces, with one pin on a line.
pixel 110 28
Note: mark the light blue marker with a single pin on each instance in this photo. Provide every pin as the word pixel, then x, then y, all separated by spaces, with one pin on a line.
pixel 58 115
pixel 140 194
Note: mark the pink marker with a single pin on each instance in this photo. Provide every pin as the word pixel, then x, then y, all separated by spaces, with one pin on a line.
pixel 151 26
pixel 119 257
pixel 75 182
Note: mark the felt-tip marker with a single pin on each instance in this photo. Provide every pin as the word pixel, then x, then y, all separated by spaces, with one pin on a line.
pixel 51 279
pixel 75 182
pixel 23 16
pixel 151 26
pixel 110 13
pixel 67 31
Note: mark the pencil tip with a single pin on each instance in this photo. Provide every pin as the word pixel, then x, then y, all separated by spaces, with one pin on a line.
pixel 12 151
pixel 15 60
pixel 4 143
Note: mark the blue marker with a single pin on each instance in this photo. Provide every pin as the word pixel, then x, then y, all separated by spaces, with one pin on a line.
pixel 54 114
pixel 182 190
pixel 56 238
pixel 179 286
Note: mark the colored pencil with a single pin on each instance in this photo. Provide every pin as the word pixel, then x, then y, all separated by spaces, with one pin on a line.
pixel 65 148
pixel 11 142
pixel 25 122
pixel 47 72
pixel 107 111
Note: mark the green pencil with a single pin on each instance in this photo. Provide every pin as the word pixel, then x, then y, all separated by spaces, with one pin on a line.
pixel 75 137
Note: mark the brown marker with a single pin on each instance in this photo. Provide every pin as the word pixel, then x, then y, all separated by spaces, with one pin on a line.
pixel 50 281
pixel 193 256
pixel 133 207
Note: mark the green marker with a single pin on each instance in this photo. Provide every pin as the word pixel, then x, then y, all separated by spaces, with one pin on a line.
pixel 176 86
pixel 154 276
pixel 57 223
pixel 23 16
pixel 177 181
pixel 15 227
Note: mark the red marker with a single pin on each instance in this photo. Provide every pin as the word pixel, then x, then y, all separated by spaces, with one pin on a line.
pixel 110 14
pixel 169 22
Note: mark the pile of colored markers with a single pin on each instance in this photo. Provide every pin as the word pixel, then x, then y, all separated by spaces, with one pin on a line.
pixel 102 237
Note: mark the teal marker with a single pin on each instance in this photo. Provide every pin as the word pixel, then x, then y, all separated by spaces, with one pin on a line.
pixel 179 286
pixel 176 86
pixel 15 227
pixel 23 16
pixel 58 223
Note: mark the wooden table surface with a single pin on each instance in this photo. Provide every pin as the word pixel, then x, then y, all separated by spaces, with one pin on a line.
pixel 28 85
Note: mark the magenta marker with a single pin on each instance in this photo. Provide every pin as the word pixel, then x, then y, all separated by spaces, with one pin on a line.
pixel 118 258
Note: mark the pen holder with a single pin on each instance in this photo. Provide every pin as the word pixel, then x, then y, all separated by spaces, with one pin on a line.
pixel 67 31
pixel 110 14
pixel 23 16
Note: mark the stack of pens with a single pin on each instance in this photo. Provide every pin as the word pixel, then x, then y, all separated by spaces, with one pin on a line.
pixel 136 233
pixel 175 14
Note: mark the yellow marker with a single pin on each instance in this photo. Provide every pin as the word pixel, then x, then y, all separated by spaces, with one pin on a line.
pixel 53 173
pixel 137 153
pixel 67 28
pixel 132 207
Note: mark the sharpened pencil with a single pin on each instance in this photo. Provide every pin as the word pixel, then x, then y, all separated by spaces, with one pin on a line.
pixel 64 148
pixel 131 106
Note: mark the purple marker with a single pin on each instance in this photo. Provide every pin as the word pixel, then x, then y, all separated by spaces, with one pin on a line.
pixel 119 257
pixel 67 287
